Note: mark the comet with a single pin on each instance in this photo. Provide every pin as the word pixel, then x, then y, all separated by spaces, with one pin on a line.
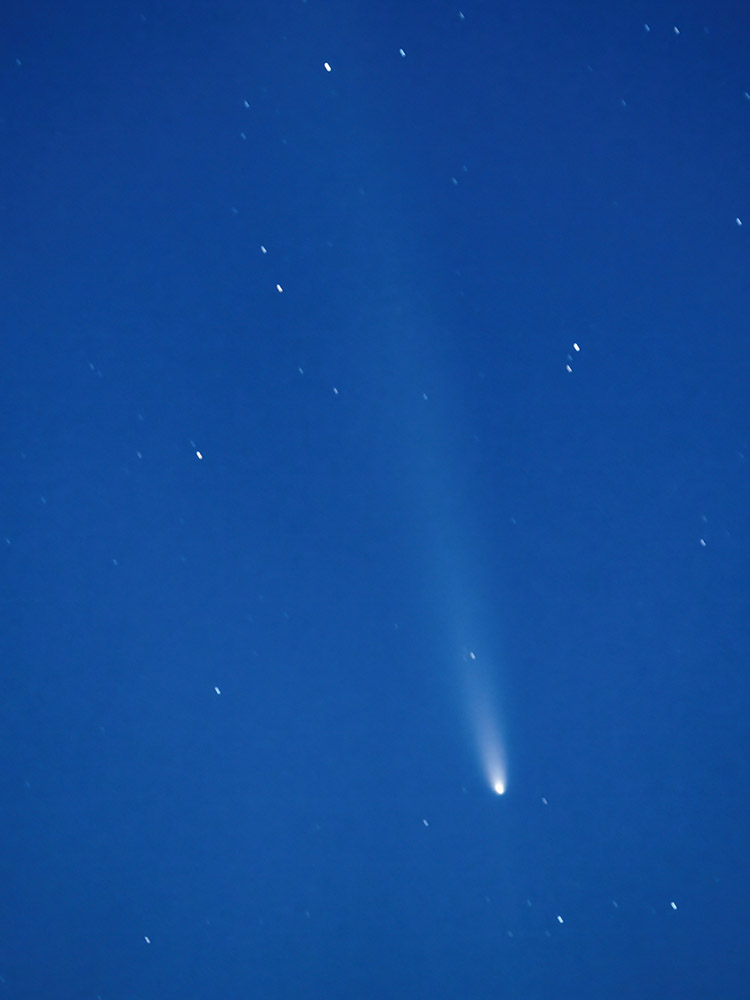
pixel 483 721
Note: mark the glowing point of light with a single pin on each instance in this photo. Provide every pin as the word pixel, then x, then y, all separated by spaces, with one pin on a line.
pixel 499 788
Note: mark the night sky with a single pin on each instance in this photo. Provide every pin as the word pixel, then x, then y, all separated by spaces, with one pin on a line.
pixel 374 427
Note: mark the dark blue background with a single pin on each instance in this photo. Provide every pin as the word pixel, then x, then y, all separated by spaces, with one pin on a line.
pixel 396 465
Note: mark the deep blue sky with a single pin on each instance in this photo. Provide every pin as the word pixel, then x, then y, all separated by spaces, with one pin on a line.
pixel 236 754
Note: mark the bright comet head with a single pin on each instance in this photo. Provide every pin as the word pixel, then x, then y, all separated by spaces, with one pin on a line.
pixel 499 787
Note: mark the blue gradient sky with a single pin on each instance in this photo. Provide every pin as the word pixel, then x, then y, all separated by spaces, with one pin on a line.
pixel 405 459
